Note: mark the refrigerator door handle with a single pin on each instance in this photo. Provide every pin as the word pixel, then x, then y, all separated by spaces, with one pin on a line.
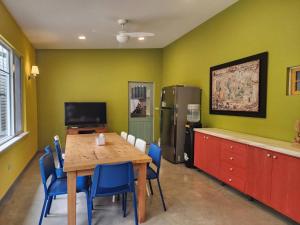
pixel 175 117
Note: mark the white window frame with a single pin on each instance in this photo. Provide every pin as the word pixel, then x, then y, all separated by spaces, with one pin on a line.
pixel 12 135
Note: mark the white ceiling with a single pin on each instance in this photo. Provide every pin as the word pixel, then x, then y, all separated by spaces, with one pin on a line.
pixel 56 24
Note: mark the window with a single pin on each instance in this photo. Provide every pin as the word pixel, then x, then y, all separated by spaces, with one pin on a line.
pixel 10 93
pixel 294 80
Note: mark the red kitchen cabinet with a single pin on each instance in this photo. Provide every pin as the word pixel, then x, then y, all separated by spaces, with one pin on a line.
pixel 259 174
pixel 279 185
pixel 199 151
pixel 270 177
pixel 233 164
pixel 213 155
pixel 293 189
pixel 207 153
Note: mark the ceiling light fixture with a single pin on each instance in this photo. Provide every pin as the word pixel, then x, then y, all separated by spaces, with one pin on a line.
pixel 141 38
pixel 81 37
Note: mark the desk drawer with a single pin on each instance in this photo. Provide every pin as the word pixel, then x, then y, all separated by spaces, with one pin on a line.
pixel 234 159
pixel 234 147
pixel 235 182
pixel 233 170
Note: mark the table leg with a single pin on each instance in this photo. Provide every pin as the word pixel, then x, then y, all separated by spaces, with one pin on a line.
pixel 142 168
pixel 71 176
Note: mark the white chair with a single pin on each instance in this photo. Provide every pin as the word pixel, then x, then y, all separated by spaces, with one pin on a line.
pixel 124 135
pixel 56 138
pixel 131 139
pixel 140 145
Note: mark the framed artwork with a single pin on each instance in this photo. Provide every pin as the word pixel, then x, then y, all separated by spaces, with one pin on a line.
pixel 293 84
pixel 239 87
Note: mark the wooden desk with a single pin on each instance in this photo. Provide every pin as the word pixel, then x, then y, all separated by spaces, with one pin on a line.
pixel 82 155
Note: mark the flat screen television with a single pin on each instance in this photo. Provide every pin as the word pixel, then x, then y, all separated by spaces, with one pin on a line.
pixel 85 113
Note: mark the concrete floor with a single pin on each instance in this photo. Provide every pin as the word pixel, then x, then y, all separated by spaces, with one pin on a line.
pixel 192 198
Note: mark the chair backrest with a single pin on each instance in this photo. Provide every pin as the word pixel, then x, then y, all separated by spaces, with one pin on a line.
pixel 47 168
pixel 131 139
pixel 58 152
pixel 112 176
pixel 155 154
pixel 56 138
pixel 140 145
pixel 124 135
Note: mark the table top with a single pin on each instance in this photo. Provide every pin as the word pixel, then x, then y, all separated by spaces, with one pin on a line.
pixel 82 153
pixel 284 147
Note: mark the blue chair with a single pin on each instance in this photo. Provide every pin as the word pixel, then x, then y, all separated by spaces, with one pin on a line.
pixel 113 179
pixel 155 154
pixel 59 171
pixel 59 153
pixel 56 186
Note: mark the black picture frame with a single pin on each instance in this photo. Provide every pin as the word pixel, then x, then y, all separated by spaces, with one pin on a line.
pixel 262 86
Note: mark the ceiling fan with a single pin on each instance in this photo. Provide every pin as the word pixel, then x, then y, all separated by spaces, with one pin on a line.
pixel 123 36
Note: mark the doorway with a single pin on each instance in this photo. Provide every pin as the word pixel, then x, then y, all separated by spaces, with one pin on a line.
pixel 140 110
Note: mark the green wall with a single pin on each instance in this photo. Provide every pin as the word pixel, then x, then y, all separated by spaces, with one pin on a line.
pixel 15 158
pixel 246 28
pixel 92 75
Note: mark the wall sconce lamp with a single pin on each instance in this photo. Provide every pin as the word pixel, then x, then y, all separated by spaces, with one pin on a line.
pixel 34 72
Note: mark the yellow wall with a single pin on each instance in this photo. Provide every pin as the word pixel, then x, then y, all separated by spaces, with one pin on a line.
pixel 246 28
pixel 91 75
pixel 14 159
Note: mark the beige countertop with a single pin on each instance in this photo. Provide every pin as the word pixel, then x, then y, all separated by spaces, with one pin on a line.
pixel 284 147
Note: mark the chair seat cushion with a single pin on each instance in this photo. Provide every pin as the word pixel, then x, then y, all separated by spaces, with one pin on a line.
pixel 59 186
pixel 151 174
pixel 60 173
pixel 113 191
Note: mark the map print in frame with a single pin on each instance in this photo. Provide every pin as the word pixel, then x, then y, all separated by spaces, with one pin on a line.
pixel 239 87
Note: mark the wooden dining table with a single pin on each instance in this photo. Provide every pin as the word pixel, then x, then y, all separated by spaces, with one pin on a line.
pixel 82 154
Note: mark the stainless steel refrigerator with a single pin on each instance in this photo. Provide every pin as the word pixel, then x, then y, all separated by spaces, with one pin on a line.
pixel 174 101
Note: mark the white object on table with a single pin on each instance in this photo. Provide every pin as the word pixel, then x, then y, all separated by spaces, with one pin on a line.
pixel 100 140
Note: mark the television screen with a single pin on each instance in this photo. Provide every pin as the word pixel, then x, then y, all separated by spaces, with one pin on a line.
pixel 85 113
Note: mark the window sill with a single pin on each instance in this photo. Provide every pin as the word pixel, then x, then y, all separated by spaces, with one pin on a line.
pixel 9 143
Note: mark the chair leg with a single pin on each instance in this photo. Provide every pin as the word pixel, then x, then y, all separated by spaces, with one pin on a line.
pixel 150 185
pixel 89 203
pixel 161 194
pixel 123 199
pixel 147 189
pixel 135 209
pixel 125 204
pixel 43 210
pixel 48 206
pixel 54 197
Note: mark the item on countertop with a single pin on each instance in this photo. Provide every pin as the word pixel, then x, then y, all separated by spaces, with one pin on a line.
pixel 100 140
pixel 297 128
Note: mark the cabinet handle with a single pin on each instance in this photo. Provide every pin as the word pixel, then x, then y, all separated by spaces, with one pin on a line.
pixel 206 137
pixel 274 157
pixel 231 158
pixel 231 146
pixel 230 179
pixel 268 155
pixel 231 169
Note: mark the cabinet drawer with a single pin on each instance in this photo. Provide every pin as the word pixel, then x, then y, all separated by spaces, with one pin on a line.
pixel 234 147
pixel 233 170
pixel 235 182
pixel 233 159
